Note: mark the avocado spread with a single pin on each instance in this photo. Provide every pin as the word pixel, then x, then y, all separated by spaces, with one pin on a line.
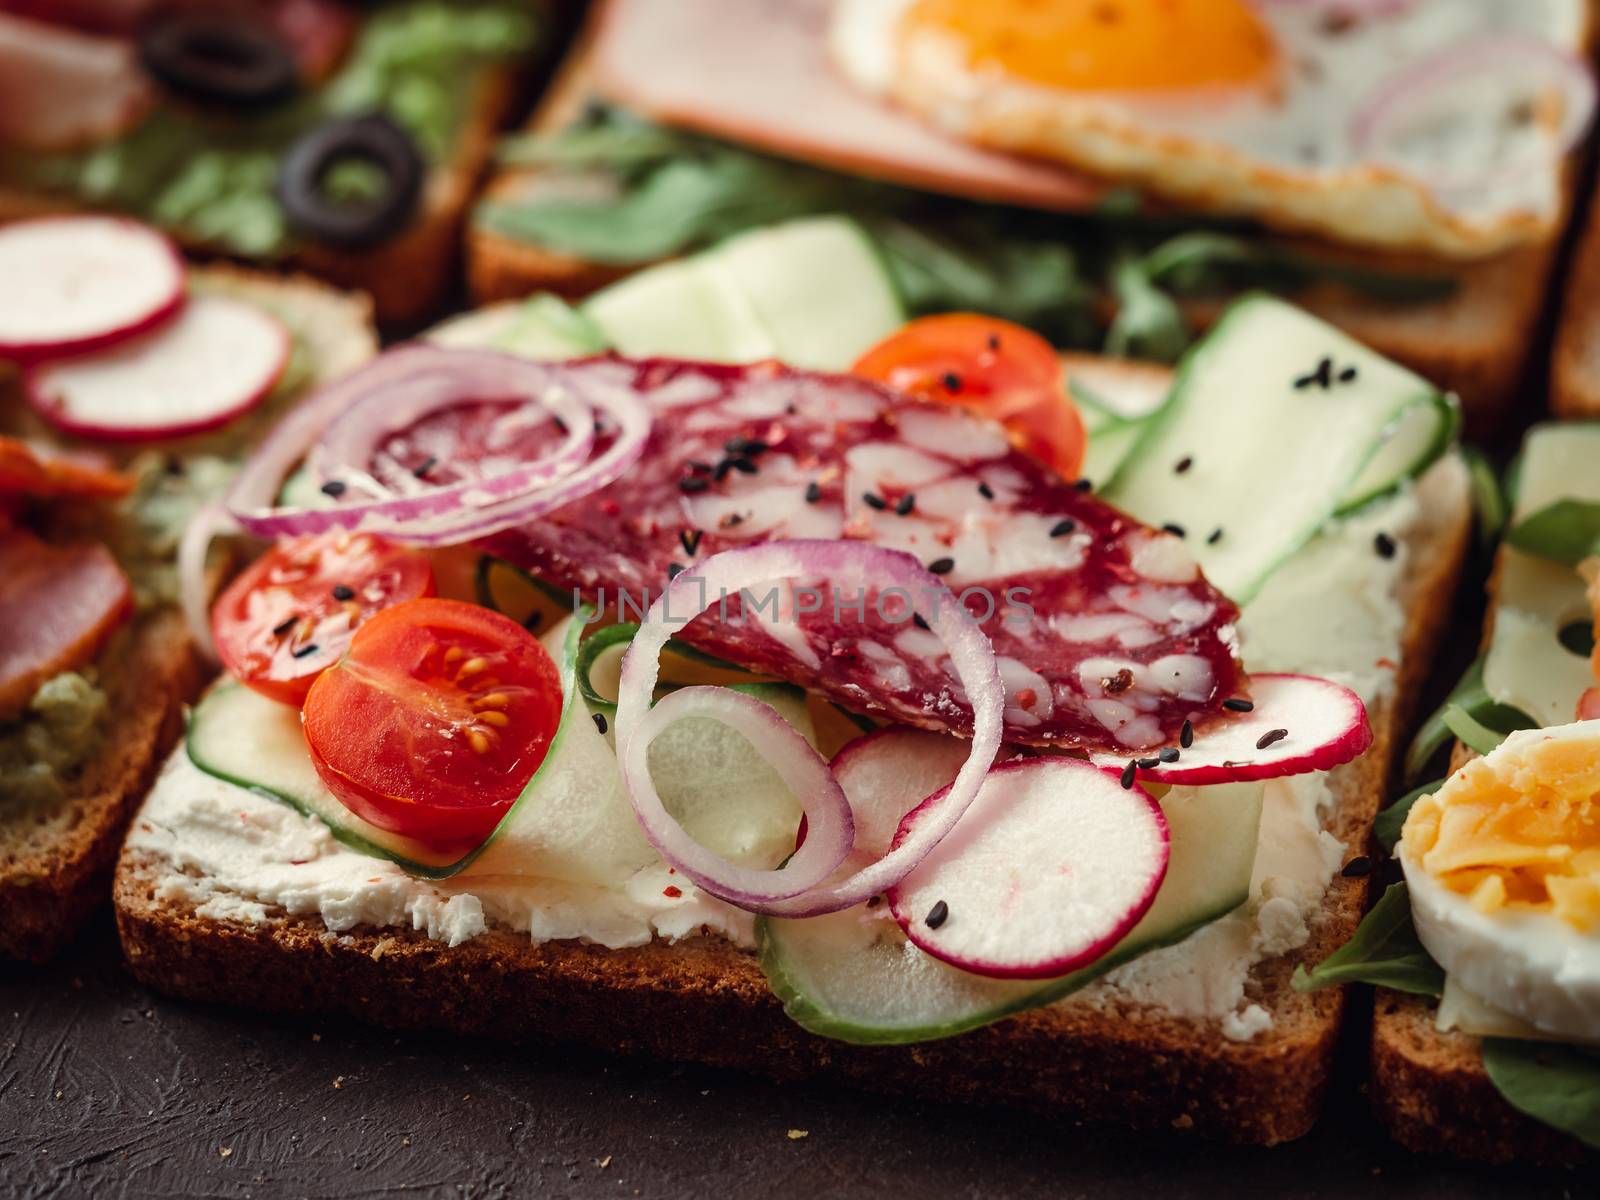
pixel 213 177
pixel 41 750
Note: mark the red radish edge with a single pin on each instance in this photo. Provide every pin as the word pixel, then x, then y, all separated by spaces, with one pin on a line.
pixel 1228 751
pixel 54 409
pixel 917 896
pixel 159 314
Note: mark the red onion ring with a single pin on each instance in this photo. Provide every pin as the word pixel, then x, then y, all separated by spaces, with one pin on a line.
pixel 1391 101
pixel 340 425
pixel 194 588
pixel 803 892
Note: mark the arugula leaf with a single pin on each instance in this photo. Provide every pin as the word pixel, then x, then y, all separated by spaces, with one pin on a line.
pixel 1148 322
pixel 1553 1084
pixel 1206 260
pixel 1385 950
pixel 1386 828
pixel 1567 531
pixel 1489 503
pixel 1471 698
pixel 1472 732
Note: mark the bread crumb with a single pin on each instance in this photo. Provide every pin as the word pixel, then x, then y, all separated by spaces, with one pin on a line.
pixel 796 1134
pixel 225 1151
pixel 316 1037
pixel 1183 1121
pixel 604 1162
pixel 338 1081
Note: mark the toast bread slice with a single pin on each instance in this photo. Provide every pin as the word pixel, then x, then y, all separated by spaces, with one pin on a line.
pixel 705 1000
pixel 56 859
pixel 407 276
pixel 1474 342
pixel 1575 361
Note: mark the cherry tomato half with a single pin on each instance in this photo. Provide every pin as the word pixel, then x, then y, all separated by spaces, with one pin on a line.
pixel 1003 371
pixel 292 613
pixel 435 721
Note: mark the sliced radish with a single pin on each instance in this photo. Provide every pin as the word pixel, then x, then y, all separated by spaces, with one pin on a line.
pixel 1054 862
pixel 75 284
pixel 1297 724
pixel 218 360
pixel 887 773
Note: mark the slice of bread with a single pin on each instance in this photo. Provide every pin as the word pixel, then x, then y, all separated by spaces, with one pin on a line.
pixel 409 275
pixel 705 1000
pixel 56 858
pixel 1575 365
pixel 1475 342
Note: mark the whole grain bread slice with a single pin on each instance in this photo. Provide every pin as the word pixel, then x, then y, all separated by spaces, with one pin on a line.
pixel 56 857
pixel 1475 341
pixel 1575 365
pixel 409 275
pixel 705 1000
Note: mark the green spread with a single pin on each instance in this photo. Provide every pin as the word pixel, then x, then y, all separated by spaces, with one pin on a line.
pixel 40 751
pixel 213 178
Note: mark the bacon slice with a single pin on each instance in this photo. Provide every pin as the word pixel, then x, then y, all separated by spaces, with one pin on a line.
pixel 58 605
pixel 1107 634
pixel 60 89
pixel 757 72
pixel 27 469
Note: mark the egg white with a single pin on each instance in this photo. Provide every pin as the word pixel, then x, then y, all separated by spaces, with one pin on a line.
pixel 1288 159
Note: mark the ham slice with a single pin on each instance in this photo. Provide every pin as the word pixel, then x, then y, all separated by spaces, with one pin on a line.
pixel 60 89
pixel 58 605
pixel 758 72
pixel 29 469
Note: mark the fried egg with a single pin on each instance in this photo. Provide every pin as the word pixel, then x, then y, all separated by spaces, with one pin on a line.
pixel 1429 125
pixel 1503 864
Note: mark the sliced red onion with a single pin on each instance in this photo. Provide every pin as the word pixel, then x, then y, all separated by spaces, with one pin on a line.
pixel 341 424
pixel 1487 56
pixel 194 589
pixel 800 889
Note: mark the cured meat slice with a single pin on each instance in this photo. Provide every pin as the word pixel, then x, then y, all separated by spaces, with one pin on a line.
pixel 28 469
pixel 58 604
pixel 758 72
pixel 1106 633
pixel 60 89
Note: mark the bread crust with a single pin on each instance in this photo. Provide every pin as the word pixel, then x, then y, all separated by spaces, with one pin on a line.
pixel 1575 359
pixel 704 1000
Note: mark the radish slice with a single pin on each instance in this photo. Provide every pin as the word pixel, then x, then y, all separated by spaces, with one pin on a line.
pixel 1298 723
pixel 215 362
pixel 75 284
pixel 887 773
pixel 1054 862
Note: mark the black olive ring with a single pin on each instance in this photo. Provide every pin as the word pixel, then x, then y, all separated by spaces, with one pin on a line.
pixel 374 139
pixel 219 58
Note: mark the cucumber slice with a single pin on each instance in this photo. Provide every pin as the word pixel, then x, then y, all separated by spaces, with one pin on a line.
pixel 1236 413
pixel 853 975
pixel 600 666
pixel 1527 667
pixel 525 598
pixel 819 286
pixel 543 326
pixel 1409 447
pixel 691 308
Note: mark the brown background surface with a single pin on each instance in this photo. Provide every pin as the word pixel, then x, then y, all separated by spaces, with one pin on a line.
pixel 107 1089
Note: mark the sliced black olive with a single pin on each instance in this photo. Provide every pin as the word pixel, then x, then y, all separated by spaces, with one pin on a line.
pixel 375 142
pixel 219 58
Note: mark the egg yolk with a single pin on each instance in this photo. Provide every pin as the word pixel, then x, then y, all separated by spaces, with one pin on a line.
pixel 1107 45
pixel 1519 829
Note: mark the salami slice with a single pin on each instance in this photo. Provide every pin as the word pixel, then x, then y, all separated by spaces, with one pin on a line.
pixel 1106 633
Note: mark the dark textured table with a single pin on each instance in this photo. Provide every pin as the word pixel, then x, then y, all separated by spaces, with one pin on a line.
pixel 110 1090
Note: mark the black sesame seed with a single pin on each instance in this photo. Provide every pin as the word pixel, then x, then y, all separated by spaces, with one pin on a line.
pixel 1169 754
pixel 700 468
pixel 937 915
pixel 1149 764
pixel 1237 704
pixel 905 504
pixel 722 470
pixel 1183 464
pixel 1347 375
pixel 1384 545
pixel 872 501
pixel 1186 735
pixel 994 341
pixel 1063 527
pixel 283 627
pixel 920 621
pixel 689 539
pixel 745 466
pixel 986 491
pixel 1322 376
pixel 1175 529
pixel 599 721
pixel 693 483
pixel 341 592
pixel 942 566
pixel 1214 536
pixel 333 488
pixel 952 381
pixel 1128 772
pixel 1084 485
pixel 813 492
pixel 1358 867
pixel 874 902
pixel 426 465
pixel 1270 736
pixel 302 651
pixel 675 569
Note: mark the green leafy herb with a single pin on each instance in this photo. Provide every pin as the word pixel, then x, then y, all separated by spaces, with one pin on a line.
pixel 1567 531
pixel 1472 732
pixel 1488 500
pixel 1385 951
pixel 1473 702
pixel 1206 260
pixel 1392 820
pixel 1148 322
pixel 1557 1085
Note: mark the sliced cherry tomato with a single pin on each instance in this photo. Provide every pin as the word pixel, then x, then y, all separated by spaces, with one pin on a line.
pixel 435 721
pixel 1007 373
pixel 1589 705
pixel 29 470
pixel 292 614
